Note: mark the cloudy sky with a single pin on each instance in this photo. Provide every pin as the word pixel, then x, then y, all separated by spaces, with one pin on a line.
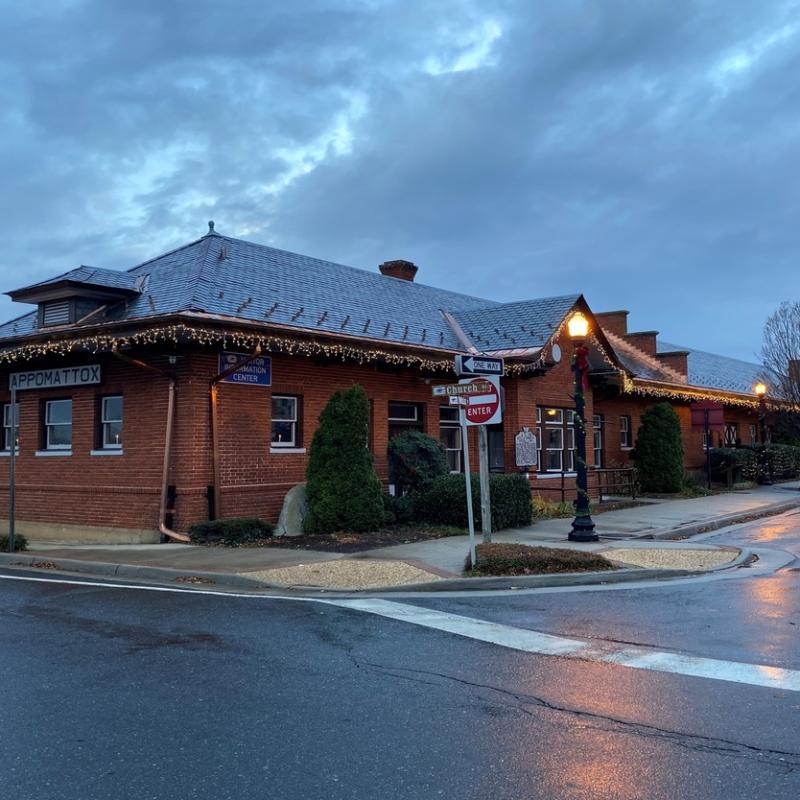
pixel 644 153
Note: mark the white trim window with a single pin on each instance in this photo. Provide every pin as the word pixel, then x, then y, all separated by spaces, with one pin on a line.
pixel 285 418
pixel 597 439
pixel 731 434
pixel 7 427
pixel 111 422
pixel 450 436
pixel 58 424
pixel 625 440
pixel 403 417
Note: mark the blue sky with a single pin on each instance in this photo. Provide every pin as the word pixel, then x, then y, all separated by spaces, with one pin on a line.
pixel 645 154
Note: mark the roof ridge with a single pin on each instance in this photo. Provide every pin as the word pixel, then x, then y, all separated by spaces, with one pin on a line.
pixel 167 253
pixel 709 353
pixel 500 305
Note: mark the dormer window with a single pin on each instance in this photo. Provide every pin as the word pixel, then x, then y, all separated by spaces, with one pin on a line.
pixel 55 312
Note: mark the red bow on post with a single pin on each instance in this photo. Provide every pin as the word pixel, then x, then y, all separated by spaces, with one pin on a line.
pixel 582 363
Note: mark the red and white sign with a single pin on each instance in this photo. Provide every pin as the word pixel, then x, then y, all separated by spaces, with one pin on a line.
pixel 484 406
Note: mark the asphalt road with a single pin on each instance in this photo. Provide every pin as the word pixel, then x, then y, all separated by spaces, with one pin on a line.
pixel 128 693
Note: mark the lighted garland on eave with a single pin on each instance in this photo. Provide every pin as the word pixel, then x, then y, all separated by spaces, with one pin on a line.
pixel 687 396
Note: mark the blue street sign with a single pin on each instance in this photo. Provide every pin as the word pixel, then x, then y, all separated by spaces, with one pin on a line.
pixel 257 372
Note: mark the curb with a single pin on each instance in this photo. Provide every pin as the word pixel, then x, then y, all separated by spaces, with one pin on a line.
pixel 102 569
pixel 694 528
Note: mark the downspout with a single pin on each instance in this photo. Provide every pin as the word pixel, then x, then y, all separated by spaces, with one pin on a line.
pixel 162 506
pixel 213 393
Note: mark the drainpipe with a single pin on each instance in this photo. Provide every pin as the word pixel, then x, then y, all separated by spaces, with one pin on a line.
pixel 162 506
pixel 213 393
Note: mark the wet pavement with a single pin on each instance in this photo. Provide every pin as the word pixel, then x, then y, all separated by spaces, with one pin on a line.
pixel 126 692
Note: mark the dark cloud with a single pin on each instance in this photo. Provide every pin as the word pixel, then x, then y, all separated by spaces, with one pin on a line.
pixel 645 154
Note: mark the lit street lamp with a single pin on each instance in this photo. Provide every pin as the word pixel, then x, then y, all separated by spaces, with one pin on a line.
pixel 764 477
pixel 582 525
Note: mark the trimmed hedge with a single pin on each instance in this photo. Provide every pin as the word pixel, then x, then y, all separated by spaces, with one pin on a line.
pixel 343 490
pixel 445 502
pixel 415 461
pixel 500 558
pixel 399 510
pixel 231 532
pixel 20 542
pixel 658 454
pixel 746 462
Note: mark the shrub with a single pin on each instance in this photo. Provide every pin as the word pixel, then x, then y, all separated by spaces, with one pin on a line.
pixel 415 460
pixel 401 509
pixel 500 558
pixel 741 463
pixel 659 452
pixel 784 460
pixel 445 502
pixel 20 542
pixel 231 532
pixel 343 491
pixel 548 509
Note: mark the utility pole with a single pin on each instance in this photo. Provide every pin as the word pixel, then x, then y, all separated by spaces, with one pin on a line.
pixel 12 469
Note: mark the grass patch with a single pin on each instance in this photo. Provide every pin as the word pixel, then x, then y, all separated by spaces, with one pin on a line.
pixel 499 558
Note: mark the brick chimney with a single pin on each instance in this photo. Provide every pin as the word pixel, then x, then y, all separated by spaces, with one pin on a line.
pixel 644 340
pixel 677 360
pixel 614 321
pixel 405 270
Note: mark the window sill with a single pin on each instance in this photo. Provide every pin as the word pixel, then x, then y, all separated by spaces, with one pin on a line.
pixel 109 452
pixel 545 475
pixel 274 450
pixel 51 453
pixel 7 453
pixel 624 449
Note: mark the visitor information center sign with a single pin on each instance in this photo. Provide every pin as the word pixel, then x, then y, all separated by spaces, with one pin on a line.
pixel 255 372
pixel 55 378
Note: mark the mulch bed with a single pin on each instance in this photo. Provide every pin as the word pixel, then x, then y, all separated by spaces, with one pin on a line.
pixel 358 542
pixel 500 558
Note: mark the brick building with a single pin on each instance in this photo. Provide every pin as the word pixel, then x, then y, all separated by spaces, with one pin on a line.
pixel 131 423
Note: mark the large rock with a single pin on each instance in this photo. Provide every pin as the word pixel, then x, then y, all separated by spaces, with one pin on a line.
pixel 293 513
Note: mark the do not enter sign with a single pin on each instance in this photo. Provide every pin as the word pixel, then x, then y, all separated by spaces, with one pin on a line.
pixel 484 404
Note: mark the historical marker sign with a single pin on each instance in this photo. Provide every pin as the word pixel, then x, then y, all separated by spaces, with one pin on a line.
pixel 479 365
pixel 526 448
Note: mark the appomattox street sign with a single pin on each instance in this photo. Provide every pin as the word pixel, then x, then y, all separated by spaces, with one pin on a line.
pixel 257 372
pixel 479 365
pixel 55 378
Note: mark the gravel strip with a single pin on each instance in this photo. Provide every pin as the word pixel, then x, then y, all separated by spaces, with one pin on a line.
pixel 346 573
pixel 662 558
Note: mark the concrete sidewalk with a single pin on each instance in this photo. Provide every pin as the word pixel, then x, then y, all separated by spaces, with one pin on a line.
pixel 442 557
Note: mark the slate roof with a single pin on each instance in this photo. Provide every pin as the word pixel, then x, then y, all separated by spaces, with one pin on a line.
pixel 242 280
pixel 718 372
pixel 92 276
pixel 523 324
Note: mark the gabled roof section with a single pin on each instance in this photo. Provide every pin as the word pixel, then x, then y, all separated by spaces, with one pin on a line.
pixel 641 364
pixel 513 326
pixel 718 372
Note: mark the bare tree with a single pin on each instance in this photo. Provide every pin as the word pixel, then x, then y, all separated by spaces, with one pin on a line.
pixel 780 352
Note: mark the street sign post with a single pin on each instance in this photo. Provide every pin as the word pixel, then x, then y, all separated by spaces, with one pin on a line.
pixel 480 401
pixel 479 365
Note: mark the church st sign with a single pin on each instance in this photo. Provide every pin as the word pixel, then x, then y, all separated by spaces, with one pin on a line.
pixel 55 378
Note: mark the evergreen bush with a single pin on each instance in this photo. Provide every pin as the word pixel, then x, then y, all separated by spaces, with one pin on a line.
pixel 20 542
pixel 343 491
pixel 445 502
pixel 415 460
pixel 658 454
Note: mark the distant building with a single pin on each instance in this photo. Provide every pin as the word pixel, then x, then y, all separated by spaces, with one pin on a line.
pixel 130 423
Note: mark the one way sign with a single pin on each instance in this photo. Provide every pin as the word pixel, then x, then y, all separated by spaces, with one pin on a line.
pixel 479 365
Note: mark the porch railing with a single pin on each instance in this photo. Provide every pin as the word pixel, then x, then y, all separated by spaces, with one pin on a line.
pixel 614 481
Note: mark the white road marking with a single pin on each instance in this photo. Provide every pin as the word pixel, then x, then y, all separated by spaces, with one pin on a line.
pixel 521 639
pixel 529 641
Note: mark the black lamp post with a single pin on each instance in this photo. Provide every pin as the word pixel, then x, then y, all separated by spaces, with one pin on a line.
pixel 582 525
pixel 764 477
